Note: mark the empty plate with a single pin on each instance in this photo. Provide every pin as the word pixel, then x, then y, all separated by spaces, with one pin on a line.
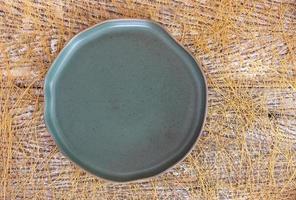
pixel 124 100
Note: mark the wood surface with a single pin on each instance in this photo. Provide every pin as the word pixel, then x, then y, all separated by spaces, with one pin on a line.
pixel 247 50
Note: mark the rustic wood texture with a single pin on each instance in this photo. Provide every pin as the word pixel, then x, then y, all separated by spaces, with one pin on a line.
pixel 248 52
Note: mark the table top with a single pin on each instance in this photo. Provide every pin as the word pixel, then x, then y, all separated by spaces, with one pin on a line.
pixel 247 51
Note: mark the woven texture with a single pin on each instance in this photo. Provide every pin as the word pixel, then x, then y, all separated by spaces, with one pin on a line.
pixel 248 53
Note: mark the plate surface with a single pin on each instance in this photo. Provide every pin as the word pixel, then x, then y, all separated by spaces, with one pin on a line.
pixel 125 101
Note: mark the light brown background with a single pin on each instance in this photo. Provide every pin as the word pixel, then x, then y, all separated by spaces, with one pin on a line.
pixel 248 52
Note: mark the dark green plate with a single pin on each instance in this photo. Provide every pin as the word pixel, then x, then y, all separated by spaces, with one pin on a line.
pixel 124 100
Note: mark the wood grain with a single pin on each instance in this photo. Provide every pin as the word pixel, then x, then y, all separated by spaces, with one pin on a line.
pixel 247 50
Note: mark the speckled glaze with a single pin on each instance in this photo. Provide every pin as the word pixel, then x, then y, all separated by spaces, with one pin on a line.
pixel 124 100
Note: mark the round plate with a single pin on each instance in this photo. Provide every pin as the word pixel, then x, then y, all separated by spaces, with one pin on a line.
pixel 124 100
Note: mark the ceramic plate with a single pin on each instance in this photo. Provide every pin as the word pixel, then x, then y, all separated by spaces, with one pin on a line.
pixel 124 100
